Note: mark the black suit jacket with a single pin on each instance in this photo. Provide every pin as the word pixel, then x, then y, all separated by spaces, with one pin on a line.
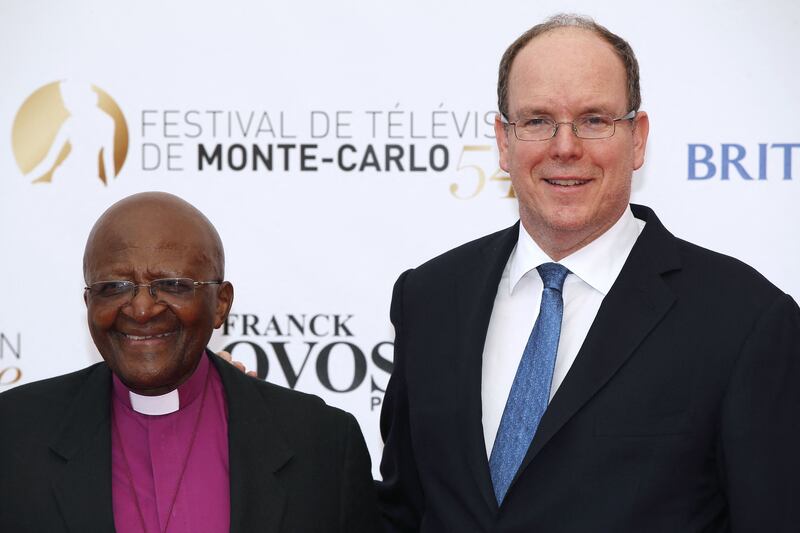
pixel 681 412
pixel 296 465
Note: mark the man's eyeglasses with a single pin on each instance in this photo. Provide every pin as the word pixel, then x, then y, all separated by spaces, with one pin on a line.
pixel 169 291
pixel 540 128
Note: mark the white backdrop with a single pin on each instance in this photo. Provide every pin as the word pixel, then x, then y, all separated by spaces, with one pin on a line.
pixel 314 247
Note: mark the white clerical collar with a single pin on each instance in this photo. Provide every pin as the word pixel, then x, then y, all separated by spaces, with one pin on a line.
pixel 164 404
pixel 155 405
pixel 598 263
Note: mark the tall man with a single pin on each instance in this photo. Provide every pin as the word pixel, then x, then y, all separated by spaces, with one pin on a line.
pixel 585 370
pixel 162 436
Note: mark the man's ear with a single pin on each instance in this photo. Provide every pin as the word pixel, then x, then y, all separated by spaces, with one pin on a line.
pixel 501 136
pixel 223 304
pixel 641 127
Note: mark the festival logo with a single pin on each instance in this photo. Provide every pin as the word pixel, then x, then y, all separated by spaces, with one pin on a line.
pixel 454 147
pixel 68 129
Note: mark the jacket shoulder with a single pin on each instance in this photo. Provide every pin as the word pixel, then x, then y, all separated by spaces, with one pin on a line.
pixel 288 407
pixel 51 389
pixel 298 405
pixel 499 242
pixel 697 271
pixel 724 274
pixel 34 413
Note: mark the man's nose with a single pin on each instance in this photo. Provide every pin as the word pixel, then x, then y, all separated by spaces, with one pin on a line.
pixel 565 145
pixel 143 305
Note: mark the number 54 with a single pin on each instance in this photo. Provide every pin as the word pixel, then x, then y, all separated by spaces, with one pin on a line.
pixel 471 151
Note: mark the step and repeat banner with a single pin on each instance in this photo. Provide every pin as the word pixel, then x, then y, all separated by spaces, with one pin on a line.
pixel 336 144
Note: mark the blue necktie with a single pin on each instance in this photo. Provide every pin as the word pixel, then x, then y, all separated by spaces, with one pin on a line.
pixel 530 391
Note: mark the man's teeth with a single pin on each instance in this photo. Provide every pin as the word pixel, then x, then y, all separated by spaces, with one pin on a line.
pixel 145 337
pixel 566 183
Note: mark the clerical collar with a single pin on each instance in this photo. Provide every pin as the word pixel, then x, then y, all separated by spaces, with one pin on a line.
pixel 155 405
pixel 164 404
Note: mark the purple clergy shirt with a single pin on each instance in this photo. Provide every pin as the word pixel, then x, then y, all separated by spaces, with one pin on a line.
pixel 149 452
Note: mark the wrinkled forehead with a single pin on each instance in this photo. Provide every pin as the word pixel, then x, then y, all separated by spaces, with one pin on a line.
pixel 153 237
pixel 570 66
pixel 570 47
pixel 152 226
pixel 147 261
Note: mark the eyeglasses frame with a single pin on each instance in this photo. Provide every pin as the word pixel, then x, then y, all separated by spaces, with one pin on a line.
pixel 150 289
pixel 630 115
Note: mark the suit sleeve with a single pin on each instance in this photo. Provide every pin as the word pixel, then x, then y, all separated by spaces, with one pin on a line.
pixel 760 433
pixel 357 495
pixel 400 496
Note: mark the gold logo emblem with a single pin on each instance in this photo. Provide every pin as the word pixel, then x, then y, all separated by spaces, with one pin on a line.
pixel 69 128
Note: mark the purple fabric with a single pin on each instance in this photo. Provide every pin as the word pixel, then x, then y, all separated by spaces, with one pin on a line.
pixel 156 447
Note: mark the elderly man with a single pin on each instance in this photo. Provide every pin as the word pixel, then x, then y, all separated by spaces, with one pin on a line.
pixel 585 370
pixel 162 436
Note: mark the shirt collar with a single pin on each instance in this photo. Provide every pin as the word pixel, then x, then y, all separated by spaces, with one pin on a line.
pixel 598 263
pixel 164 404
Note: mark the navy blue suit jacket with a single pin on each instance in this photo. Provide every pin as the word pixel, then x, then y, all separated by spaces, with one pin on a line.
pixel 681 412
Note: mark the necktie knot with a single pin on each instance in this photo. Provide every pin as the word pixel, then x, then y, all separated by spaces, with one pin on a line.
pixel 553 275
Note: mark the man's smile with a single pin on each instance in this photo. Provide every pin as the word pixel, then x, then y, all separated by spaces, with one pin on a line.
pixel 144 337
pixel 567 182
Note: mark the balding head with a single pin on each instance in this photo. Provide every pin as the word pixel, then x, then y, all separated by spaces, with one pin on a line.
pixel 175 221
pixel 565 21
pixel 154 266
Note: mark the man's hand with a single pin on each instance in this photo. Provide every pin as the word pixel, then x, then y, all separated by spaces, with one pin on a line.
pixel 238 364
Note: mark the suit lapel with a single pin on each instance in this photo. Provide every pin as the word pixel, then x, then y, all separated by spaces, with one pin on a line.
pixel 83 492
pixel 257 451
pixel 476 288
pixel 635 304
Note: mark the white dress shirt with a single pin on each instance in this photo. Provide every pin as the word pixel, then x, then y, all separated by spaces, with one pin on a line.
pixel 593 270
